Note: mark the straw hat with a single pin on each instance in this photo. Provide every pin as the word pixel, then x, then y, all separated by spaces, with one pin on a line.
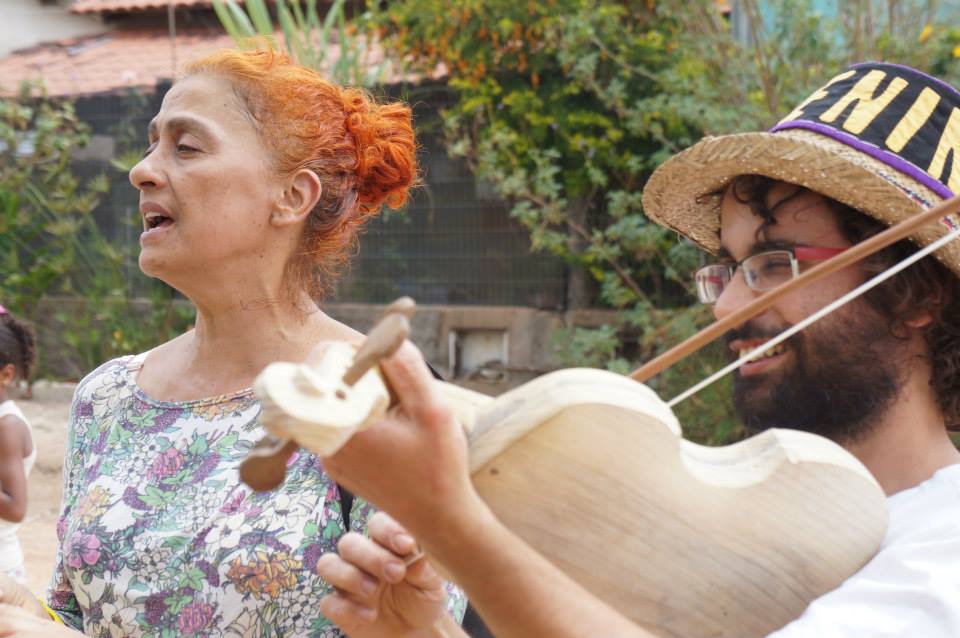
pixel 881 138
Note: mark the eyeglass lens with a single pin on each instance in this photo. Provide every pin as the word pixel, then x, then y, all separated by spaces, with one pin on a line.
pixel 761 272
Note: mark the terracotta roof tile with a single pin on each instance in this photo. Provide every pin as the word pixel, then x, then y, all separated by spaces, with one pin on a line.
pixel 120 60
pixel 103 63
pixel 105 6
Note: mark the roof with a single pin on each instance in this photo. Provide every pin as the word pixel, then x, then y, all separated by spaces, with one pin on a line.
pixel 131 59
pixel 107 6
pixel 98 64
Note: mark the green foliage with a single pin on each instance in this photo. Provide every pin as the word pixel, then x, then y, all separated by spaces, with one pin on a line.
pixel 308 37
pixel 54 259
pixel 566 106
pixel 43 205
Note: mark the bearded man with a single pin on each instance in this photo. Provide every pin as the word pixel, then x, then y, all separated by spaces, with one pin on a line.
pixel 877 144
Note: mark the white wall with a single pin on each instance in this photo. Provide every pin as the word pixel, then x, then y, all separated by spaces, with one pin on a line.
pixel 25 23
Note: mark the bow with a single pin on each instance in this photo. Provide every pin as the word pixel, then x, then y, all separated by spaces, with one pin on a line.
pixel 860 251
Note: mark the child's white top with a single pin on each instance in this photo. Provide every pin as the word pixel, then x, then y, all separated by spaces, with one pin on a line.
pixel 11 555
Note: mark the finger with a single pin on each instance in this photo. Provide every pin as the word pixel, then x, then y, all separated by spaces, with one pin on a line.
pixel 14 620
pixel 346 577
pixel 409 377
pixel 423 576
pixel 347 614
pixel 391 534
pixel 371 557
pixel 8 588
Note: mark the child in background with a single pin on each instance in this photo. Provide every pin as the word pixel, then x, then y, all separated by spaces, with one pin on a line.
pixel 17 452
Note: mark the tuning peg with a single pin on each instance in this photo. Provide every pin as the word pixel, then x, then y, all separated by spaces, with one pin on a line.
pixel 383 340
pixel 266 464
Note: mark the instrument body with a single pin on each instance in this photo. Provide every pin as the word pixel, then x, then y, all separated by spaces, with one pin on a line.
pixel 590 468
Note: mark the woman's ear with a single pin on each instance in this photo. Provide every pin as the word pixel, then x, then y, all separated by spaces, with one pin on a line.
pixel 298 198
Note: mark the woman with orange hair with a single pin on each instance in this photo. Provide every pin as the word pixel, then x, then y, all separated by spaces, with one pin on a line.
pixel 258 176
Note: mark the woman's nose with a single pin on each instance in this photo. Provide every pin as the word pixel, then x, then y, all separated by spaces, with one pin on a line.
pixel 146 174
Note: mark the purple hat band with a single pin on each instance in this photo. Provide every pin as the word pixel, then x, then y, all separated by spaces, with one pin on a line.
pixel 896 115
pixel 890 159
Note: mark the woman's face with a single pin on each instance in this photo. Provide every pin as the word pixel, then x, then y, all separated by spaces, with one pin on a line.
pixel 207 189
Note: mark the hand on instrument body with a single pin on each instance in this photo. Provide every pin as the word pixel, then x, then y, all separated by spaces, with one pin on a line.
pixel 377 594
pixel 20 623
pixel 16 595
pixel 413 462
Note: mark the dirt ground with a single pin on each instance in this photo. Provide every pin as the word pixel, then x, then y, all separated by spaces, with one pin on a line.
pixel 48 413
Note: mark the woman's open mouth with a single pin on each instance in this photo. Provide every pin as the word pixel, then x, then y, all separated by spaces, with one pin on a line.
pixel 156 221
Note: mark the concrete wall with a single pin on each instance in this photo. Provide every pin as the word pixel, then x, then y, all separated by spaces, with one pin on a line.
pixel 26 23
pixel 486 348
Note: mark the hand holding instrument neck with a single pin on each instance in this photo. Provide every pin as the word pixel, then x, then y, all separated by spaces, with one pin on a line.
pixel 266 464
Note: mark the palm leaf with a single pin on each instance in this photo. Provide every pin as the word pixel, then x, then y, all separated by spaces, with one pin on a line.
pixel 260 17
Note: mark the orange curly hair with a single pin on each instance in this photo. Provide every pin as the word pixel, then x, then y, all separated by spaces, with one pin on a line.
pixel 363 152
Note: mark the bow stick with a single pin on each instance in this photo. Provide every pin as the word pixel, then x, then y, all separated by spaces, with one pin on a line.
pixel 852 255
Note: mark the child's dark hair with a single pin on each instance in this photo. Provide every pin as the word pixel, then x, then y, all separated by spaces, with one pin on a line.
pixel 18 345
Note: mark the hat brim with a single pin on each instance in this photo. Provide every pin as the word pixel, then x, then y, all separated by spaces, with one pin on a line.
pixel 684 193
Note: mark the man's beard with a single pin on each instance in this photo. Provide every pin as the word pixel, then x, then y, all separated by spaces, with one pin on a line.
pixel 845 373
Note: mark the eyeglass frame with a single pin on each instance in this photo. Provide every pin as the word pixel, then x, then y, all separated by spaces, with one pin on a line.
pixel 797 254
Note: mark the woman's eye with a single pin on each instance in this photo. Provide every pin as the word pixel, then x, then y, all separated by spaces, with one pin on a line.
pixel 149 149
pixel 183 148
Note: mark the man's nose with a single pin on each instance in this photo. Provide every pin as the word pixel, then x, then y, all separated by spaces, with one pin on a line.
pixel 735 295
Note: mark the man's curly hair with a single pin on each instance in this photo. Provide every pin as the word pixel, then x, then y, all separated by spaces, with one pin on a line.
pixel 927 286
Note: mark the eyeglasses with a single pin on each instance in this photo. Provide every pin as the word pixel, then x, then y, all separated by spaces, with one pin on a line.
pixel 762 271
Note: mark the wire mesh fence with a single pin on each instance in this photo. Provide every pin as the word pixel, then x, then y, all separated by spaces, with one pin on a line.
pixel 454 244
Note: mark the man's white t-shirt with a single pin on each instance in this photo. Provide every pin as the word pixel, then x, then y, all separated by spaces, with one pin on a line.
pixel 911 588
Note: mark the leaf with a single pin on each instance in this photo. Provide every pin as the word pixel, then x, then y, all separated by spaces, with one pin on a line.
pixel 154 497
pixel 199 446
pixel 244 27
pixel 193 578
pixel 257 9
pixel 228 441
pixel 225 15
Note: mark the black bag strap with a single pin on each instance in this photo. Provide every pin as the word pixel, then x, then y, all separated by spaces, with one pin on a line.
pixel 346 496
pixel 346 505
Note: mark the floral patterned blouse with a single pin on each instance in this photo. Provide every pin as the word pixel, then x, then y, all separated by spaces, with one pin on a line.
pixel 158 536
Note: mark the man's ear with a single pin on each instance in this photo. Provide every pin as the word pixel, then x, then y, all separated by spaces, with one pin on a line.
pixel 298 198
pixel 925 314
pixel 919 320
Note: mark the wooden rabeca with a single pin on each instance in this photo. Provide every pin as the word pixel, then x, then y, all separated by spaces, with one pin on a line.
pixel 590 468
